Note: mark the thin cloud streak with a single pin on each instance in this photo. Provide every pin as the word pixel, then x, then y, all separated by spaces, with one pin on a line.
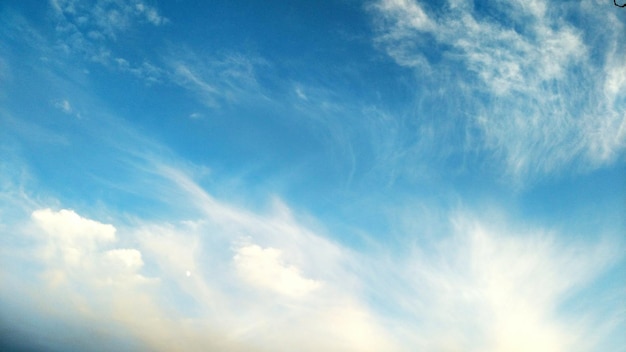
pixel 216 80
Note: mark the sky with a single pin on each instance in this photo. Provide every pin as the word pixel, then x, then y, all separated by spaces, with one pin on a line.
pixel 385 175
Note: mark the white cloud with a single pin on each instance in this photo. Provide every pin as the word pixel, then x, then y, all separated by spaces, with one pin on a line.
pixel 300 93
pixel 216 80
pixel 72 237
pixel 147 71
pixel 64 106
pixel 267 280
pixel 491 287
pixel 74 249
pixel 151 14
pixel 126 258
pixel 264 281
pixel 539 96
pixel 178 249
pixel 406 15
pixel 90 28
pixel 70 227
pixel 195 83
pixel 263 267
pixel 485 287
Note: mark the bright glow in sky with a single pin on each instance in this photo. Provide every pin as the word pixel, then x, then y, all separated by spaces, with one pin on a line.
pixel 386 175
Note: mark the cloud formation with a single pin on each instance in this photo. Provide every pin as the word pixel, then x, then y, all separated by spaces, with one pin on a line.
pixel 91 30
pixel 531 65
pixel 104 18
pixel 114 240
pixel 64 106
pixel 482 287
pixel 73 245
pixel 263 267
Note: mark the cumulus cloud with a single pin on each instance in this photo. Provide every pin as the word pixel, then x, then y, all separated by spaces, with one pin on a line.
pixel 71 235
pixel 263 267
pixel 76 249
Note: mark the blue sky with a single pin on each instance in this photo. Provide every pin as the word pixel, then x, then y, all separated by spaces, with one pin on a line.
pixel 388 175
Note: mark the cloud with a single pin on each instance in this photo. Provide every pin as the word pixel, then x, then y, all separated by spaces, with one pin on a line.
pixel 300 93
pixel 125 258
pixel 215 80
pixel 263 267
pixel 541 98
pixel 271 278
pixel 91 30
pixel 105 17
pixel 490 286
pixel 74 249
pixel 64 106
pixel 146 71
pixel 69 226
pixel 151 14
pixel 264 279
pixel 67 108
pixel 238 296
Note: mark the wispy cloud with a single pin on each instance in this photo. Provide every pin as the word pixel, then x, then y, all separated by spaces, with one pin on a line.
pixel 216 80
pixel 532 65
pixel 104 18
pixel 228 277
pixel 92 29
pixel 64 106
pixel 242 292
pixel 120 244
pixel 492 288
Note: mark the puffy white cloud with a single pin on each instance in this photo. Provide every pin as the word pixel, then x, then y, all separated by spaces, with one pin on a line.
pixel 75 250
pixel 126 259
pixel 71 236
pixel 71 227
pixel 264 268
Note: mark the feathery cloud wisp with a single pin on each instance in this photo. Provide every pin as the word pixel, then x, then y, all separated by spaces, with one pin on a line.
pixel 531 64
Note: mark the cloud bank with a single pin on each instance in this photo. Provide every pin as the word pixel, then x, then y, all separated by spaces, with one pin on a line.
pixel 236 279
